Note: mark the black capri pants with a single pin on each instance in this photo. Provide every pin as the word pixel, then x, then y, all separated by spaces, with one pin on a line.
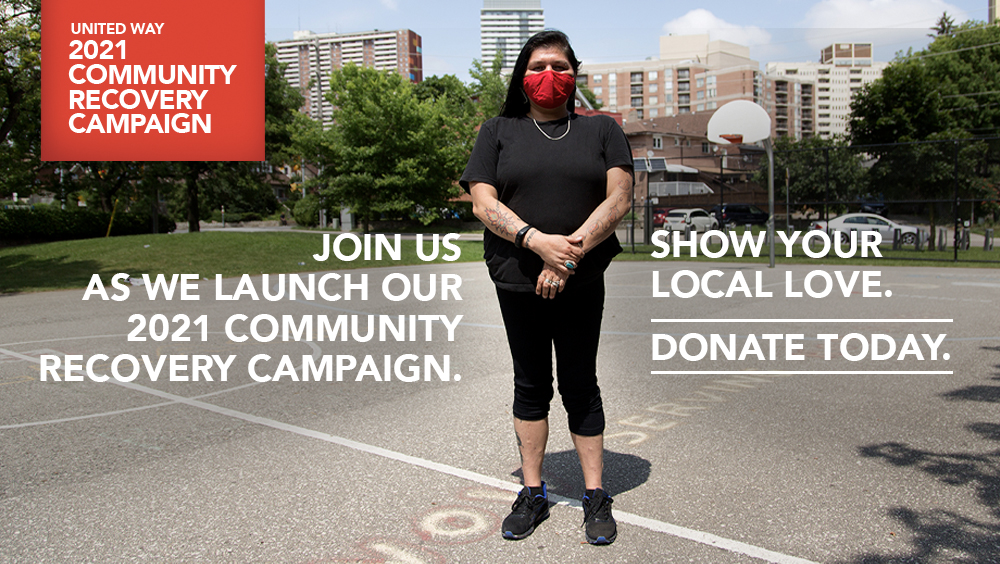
pixel 571 322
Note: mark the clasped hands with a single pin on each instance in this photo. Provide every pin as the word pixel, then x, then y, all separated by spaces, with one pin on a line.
pixel 557 251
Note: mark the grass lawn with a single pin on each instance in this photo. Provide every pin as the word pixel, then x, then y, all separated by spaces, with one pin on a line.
pixel 975 257
pixel 70 264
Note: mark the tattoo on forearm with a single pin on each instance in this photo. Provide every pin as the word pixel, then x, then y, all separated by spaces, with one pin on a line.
pixel 530 235
pixel 615 213
pixel 500 221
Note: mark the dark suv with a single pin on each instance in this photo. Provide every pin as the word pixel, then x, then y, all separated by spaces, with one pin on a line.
pixel 739 214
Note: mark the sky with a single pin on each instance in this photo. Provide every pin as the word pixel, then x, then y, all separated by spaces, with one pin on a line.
pixel 775 30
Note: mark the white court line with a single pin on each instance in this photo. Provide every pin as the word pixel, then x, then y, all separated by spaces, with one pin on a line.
pixel 625 517
pixel 316 353
pixel 801 320
pixel 803 372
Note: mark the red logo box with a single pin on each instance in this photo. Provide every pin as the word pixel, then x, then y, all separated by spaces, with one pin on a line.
pixel 152 81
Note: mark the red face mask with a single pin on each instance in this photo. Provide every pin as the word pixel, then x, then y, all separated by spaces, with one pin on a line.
pixel 549 89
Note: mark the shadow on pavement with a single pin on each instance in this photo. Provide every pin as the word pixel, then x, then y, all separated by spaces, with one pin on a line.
pixel 563 476
pixel 33 272
pixel 941 535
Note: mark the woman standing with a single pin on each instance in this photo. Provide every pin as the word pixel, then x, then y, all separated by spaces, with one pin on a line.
pixel 551 187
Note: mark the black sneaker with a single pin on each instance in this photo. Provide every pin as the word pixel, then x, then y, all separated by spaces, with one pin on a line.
pixel 600 525
pixel 527 512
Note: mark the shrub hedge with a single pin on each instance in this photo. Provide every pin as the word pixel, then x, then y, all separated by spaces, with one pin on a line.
pixel 51 223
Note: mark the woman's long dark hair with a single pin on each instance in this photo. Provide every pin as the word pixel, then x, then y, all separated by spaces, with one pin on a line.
pixel 516 104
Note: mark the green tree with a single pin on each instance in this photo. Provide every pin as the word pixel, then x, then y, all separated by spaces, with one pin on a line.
pixel 944 26
pixel 456 95
pixel 589 95
pixel 388 151
pixel 241 186
pixel 489 87
pixel 20 94
pixel 281 104
pixel 808 162
pixel 951 90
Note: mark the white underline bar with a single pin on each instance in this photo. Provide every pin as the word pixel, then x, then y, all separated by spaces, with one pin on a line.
pixel 802 320
pixel 783 372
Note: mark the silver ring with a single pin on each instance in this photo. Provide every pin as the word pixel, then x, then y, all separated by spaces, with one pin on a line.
pixel 556 283
pixel 569 264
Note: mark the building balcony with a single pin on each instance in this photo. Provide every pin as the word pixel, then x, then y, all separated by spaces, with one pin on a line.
pixel 660 189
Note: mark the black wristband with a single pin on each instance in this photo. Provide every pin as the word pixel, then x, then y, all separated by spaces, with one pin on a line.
pixel 519 238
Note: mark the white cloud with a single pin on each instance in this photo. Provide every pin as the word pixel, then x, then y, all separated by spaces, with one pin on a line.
pixel 703 21
pixel 390 4
pixel 891 25
pixel 897 14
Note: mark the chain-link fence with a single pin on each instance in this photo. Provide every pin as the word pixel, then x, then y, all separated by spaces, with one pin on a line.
pixel 931 201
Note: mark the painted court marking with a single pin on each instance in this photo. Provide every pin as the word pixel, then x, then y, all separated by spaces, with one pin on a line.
pixel 709 539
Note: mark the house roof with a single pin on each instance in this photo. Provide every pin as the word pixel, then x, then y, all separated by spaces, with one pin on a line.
pixel 687 125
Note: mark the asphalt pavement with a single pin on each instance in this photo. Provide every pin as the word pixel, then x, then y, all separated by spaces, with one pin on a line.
pixel 812 459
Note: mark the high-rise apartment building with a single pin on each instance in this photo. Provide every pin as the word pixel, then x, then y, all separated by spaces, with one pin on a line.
pixel 504 26
pixel 695 74
pixel 311 57
pixel 691 75
pixel 842 70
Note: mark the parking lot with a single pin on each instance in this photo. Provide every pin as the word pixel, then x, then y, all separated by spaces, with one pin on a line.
pixel 818 459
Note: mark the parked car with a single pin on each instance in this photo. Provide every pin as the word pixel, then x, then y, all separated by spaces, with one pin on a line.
pixel 868 222
pixel 739 214
pixel 660 216
pixel 696 219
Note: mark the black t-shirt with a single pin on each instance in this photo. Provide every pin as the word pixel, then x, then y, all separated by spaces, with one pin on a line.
pixel 552 185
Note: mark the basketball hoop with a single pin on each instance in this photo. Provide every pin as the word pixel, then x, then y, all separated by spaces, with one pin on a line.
pixel 734 138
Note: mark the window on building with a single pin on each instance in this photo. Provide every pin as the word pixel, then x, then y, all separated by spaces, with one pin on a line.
pixel 668 85
pixel 657 140
pixel 669 98
pixel 652 88
pixel 683 74
pixel 636 89
pixel 683 98
pixel 677 141
pixel 683 86
pixel 711 93
pixel 710 81
pixel 638 114
pixel 635 77
pixel 637 102
pixel 612 78
pixel 598 91
pixel 652 75
pixel 653 112
pixel 701 107
pixel 705 147
pixel 700 95
pixel 597 79
pixel 653 100
pixel 700 82
pixel 711 105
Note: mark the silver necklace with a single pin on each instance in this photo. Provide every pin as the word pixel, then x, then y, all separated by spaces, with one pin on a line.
pixel 568 124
